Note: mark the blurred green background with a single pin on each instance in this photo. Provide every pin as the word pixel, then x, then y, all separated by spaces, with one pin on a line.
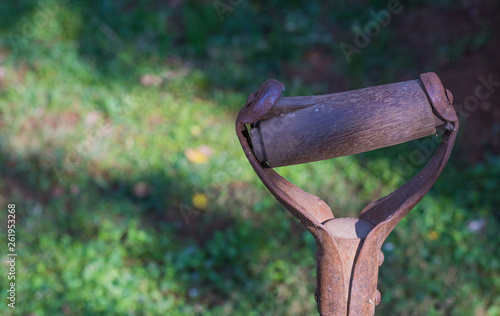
pixel 133 196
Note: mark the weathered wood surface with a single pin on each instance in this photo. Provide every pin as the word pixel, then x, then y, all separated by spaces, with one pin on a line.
pixel 311 128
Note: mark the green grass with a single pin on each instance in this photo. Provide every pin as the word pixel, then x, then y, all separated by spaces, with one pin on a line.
pixel 98 166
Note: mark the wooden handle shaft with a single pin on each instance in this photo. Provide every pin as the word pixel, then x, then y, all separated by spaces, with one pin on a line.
pixel 305 129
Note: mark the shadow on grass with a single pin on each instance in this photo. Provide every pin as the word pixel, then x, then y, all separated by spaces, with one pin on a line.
pixel 211 257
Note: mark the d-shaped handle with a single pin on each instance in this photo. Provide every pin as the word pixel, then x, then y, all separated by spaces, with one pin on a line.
pixel 348 249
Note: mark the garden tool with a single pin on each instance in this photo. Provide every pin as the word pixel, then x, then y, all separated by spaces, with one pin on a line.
pixel 278 131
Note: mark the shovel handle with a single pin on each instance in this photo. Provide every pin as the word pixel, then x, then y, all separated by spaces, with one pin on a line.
pixel 312 128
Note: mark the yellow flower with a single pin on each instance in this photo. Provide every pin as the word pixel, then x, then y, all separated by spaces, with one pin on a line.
pixel 200 201
pixel 433 235
pixel 199 155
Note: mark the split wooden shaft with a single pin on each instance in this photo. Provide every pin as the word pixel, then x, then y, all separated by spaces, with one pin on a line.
pixel 305 129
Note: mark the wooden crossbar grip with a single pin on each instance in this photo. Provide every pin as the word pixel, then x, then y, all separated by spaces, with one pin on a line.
pixel 305 129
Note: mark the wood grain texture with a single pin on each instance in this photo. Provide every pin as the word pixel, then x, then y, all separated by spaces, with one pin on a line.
pixel 312 128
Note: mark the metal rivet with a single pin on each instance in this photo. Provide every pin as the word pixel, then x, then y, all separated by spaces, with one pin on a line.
pixel 449 95
pixel 380 258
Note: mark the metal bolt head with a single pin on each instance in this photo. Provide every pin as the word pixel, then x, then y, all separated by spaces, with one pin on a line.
pixel 449 95
pixel 380 258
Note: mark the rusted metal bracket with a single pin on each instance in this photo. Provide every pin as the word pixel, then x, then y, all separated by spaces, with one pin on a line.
pixel 348 249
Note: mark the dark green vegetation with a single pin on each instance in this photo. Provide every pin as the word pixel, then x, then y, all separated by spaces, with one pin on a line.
pixel 105 104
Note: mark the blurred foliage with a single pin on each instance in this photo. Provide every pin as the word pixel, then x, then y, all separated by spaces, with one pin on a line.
pixel 134 198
